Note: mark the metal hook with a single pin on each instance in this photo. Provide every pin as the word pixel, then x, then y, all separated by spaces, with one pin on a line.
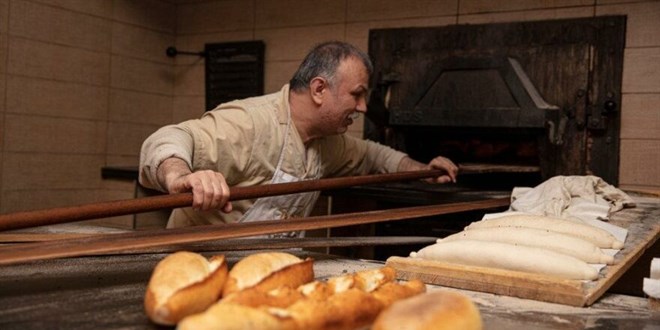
pixel 173 52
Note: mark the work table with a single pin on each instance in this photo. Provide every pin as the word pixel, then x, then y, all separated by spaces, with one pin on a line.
pixel 107 292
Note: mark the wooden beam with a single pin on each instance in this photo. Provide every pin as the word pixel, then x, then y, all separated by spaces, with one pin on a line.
pixel 146 204
pixel 148 239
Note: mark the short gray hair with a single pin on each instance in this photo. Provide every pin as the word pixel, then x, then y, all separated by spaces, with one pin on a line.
pixel 323 61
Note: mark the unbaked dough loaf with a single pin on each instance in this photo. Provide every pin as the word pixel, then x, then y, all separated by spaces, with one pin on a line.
pixel 554 241
pixel 599 237
pixel 509 256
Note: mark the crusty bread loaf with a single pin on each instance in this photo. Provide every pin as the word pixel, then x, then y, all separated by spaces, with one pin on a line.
pixel 267 271
pixel 350 309
pixel 281 297
pixel 390 292
pixel 223 316
pixel 371 279
pixel 350 301
pixel 315 290
pixel 365 280
pixel 184 283
pixel 438 310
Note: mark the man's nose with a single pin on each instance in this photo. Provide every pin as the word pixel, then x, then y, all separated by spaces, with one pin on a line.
pixel 362 105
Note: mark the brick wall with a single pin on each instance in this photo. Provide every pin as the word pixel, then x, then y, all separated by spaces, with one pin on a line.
pixel 82 83
pixel 290 27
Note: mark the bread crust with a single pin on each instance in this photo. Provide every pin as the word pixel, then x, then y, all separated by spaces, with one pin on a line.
pixel 267 271
pixel 438 310
pixel 232 317
pixel 171 295
pixel 391 292
pixel 350 301
pixel 372 279
pixel 282 297
pixel 350 309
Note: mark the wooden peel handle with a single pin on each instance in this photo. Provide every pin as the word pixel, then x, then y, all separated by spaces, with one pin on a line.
pixel 53 216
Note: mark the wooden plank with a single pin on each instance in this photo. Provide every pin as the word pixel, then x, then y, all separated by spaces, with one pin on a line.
pixel 146 239
pixel 38 237
pixel 474 168
pixel 60 215
pixel 240 244
pixel 499 281
pixel 642 223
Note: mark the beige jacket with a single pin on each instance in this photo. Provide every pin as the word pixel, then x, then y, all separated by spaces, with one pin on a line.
pixel 243 140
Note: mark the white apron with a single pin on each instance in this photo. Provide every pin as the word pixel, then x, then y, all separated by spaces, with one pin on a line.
pixel 285 206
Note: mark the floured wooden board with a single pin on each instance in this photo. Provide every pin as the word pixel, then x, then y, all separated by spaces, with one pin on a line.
pixel 642 222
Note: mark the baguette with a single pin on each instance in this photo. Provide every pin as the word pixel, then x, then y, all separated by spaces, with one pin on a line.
pixel 316 290
pixel 390 292
pixel 438 310
pixel 350 309
pixel 281 297
pixel 372 279
pixel 343 302
pixel 183 283
pixel 267 271
pixel 353 308
pixel 223 316
pixel 366 280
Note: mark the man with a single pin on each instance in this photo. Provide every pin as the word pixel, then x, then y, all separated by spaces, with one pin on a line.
pixel 291 135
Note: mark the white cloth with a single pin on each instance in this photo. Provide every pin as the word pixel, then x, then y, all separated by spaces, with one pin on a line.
pixel 586 199
pixel 651 284
pixel 583 197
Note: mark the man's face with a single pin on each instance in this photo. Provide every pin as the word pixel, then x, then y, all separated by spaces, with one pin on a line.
pixel 347 97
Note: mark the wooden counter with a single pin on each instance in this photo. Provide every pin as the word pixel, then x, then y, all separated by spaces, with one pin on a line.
pixel 106 292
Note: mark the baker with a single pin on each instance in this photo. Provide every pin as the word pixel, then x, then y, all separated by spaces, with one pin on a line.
pixel 297 133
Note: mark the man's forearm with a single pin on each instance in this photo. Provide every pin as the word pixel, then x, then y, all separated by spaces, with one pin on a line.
pixel 408 164
pixel 171 169
pixel 167 142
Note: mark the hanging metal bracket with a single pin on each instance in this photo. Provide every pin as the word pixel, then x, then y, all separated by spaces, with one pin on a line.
pixel 173 52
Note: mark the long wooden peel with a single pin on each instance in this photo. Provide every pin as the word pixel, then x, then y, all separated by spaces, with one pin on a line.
pixel 240 244
pixel 146 239
pixel 146 204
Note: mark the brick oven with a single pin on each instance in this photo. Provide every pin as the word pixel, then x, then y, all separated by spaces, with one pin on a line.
pixel 540 94
pixel 521 101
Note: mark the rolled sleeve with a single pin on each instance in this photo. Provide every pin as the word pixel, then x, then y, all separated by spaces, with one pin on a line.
pixel 167 142
pixel 345 155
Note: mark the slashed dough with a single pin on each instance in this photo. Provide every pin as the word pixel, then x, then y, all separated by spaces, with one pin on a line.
pixel 508 256
pixel 554 241
pixel 600 237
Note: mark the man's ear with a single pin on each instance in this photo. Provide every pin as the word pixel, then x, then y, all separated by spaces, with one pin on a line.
pixel 317 88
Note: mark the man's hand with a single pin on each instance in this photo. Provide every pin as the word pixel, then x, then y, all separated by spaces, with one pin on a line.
pixel 209 188
pixel 441 163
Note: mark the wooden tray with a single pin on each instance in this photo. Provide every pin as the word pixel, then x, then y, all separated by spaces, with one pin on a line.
pixel 642 222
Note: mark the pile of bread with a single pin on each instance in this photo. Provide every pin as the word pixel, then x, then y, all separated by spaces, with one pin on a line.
pixel 277 290
pixel 528 243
